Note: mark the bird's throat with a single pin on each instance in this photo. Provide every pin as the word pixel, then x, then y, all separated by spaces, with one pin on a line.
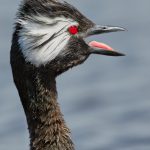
pixel 47 127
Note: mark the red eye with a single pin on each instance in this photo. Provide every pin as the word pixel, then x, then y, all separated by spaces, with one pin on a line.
pixel 73 30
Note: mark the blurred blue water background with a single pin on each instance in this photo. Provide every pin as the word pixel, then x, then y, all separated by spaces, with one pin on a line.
pixel 106 101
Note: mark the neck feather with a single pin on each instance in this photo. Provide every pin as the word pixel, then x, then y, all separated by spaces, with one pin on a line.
pixel 47 127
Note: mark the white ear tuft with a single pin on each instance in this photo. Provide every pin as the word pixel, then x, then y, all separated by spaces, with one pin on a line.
pixel 42 40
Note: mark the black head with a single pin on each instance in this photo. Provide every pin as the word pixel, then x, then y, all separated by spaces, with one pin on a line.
pixel 51 33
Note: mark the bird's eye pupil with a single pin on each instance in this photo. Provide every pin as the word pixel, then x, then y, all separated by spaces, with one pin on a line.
pixel 73 30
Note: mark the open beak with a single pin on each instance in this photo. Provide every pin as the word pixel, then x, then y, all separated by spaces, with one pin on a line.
pixel 101 48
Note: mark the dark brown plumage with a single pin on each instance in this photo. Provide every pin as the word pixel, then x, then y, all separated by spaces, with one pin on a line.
pixel 36 83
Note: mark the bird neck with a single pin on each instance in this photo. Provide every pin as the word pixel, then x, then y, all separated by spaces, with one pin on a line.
pixel 47 127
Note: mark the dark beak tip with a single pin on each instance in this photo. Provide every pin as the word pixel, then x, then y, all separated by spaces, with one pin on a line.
pixel 125 29
pixel 115 53
pixel 116 29
pixel 121 54
pixel 106 52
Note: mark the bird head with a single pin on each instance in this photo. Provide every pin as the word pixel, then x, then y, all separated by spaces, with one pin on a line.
pixel 51 34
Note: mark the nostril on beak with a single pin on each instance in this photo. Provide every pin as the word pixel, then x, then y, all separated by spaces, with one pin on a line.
pixel 104 28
